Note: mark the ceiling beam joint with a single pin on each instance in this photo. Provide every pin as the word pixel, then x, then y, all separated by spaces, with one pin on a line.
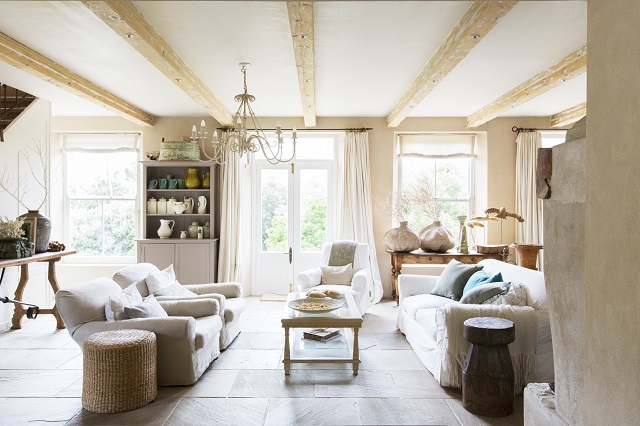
pixel 303 35
pixel 569 115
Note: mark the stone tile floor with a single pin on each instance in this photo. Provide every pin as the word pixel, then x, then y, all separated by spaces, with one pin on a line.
pixel 41 382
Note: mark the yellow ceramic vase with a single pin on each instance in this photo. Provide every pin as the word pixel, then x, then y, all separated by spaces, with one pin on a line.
pixel 192 181
pixel 206 180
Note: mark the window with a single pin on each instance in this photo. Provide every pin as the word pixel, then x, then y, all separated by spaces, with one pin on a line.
pixel 551 139
pixel 435 179
pixel 100 173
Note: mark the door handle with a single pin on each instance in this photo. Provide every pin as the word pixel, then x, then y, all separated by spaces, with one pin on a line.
pixel 290 255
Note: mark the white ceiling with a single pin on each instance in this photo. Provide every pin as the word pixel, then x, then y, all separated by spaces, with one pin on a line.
pixel 367 54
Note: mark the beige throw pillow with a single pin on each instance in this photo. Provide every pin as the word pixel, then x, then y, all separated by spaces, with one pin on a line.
pixel 337 274
pixel 114 308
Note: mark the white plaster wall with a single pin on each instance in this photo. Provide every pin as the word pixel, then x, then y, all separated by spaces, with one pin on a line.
pixel 32 125
pixel 612 353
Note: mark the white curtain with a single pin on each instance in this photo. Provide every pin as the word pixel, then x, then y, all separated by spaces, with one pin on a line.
pixel 356 218
pixel 230 189
pixel 528 205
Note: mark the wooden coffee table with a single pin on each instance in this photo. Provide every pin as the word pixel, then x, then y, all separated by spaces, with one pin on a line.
pixel 343 349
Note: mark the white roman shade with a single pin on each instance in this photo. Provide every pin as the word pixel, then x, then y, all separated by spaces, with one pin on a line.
pixel 435 145
pixel 106 142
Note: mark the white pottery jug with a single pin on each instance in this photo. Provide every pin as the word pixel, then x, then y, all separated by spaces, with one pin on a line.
pixel 190 202
pixel 202 204
pixel 166 228
pixel 179 207
pixel 170 203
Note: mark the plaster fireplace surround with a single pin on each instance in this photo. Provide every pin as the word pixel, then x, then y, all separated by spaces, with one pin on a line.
pixel 564 272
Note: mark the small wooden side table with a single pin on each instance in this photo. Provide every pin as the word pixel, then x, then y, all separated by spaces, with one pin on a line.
pixel 50 257
pixel 487 376
pixel 424 258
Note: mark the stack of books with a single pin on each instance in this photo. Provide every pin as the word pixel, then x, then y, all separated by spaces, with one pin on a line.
pixel 321 334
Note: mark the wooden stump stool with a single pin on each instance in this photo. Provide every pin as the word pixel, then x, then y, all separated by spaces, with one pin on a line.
pixel 119 371
pixel 487 377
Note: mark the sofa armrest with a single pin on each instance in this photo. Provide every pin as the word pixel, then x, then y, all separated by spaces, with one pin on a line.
pixel 453 347
pixel 309 278
pixel 360 281
pixel 230 290
pixel 191 308
pixel 166 328
pixel 215 296
pixel 410 285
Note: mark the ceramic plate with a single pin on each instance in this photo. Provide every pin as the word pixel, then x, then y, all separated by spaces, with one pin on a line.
pixel 315 305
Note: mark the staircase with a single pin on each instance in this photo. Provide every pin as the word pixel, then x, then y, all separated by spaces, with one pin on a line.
pixel 12 103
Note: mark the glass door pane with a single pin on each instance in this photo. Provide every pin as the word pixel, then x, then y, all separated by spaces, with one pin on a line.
pixel 313 209
pixel 274 199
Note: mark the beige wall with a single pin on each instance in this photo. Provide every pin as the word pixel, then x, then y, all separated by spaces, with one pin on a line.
pixel 495 164
pixel 612 386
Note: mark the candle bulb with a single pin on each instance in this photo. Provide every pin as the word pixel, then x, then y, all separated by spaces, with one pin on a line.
pixel 294 133
pixel 215 136
pixel 202 123
pixel 193 131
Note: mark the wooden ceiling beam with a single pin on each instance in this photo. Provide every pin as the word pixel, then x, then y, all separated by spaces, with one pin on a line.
pixel 568 68
pixel 302 33
pixel 569 115
pixel 25 59
pixel 123 18
pixel 476 23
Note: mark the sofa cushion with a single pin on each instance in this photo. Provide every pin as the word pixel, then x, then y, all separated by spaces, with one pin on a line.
pixel 163 283
pixel 337 274
pixel 114 308
pixel 149 308
pixel 484 292
pixel 411 304
pixel 453 279
pixel 426 318
pixel 135 274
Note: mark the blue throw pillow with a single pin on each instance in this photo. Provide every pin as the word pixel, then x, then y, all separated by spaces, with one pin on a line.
pixel 480 278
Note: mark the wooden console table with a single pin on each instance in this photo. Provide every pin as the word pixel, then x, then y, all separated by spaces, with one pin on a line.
pixel 51 258
pixel 424 258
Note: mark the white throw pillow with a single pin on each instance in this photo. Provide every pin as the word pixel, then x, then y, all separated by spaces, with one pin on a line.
pixel 164 283
pixel 114 308
pixel 516 295
pixel 337 274
pixel 150 308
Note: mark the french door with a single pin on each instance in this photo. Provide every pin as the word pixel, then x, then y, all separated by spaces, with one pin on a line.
pixel 293 206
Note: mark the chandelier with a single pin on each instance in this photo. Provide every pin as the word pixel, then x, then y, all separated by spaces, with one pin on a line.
pixel 239 138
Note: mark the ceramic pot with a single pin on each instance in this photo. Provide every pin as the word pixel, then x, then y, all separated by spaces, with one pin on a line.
pixel 166 228
pixel 527 254
pixel 43 229
pixel 193 230
pixel 436 238
pixel 192 181
pixel 206 180
pixel 152 206
pixel 207 230
pixel 189 202
pixel 401 239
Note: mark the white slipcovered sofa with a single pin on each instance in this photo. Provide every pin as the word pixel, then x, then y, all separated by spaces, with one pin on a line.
pixel 433 326
pixel 228 295
pixel 188 339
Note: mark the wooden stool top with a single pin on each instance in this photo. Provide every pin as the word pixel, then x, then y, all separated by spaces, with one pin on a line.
pixel 489 331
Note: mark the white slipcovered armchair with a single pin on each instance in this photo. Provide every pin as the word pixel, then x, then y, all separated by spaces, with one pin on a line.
pixel 228 295
pixel 360 286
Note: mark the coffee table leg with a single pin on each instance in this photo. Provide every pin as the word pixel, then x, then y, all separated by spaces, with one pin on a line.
pixel 356 351
pixel 287 352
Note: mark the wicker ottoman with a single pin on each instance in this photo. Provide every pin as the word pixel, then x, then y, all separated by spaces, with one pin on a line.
pixel 119 371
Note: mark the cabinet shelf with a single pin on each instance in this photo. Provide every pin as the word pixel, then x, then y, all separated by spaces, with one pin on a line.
pixel 194 260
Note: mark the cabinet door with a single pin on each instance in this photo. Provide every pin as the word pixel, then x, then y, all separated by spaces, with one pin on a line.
pixel 193 262
pixel 161 255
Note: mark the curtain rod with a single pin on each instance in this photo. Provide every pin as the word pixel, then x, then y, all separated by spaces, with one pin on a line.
pixel 352 129
pixel 520 129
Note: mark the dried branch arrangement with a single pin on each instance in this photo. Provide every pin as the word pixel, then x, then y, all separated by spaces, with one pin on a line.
pixel 13 186
pixel 497 216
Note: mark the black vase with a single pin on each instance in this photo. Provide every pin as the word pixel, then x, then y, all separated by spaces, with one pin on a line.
pixel 42 230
